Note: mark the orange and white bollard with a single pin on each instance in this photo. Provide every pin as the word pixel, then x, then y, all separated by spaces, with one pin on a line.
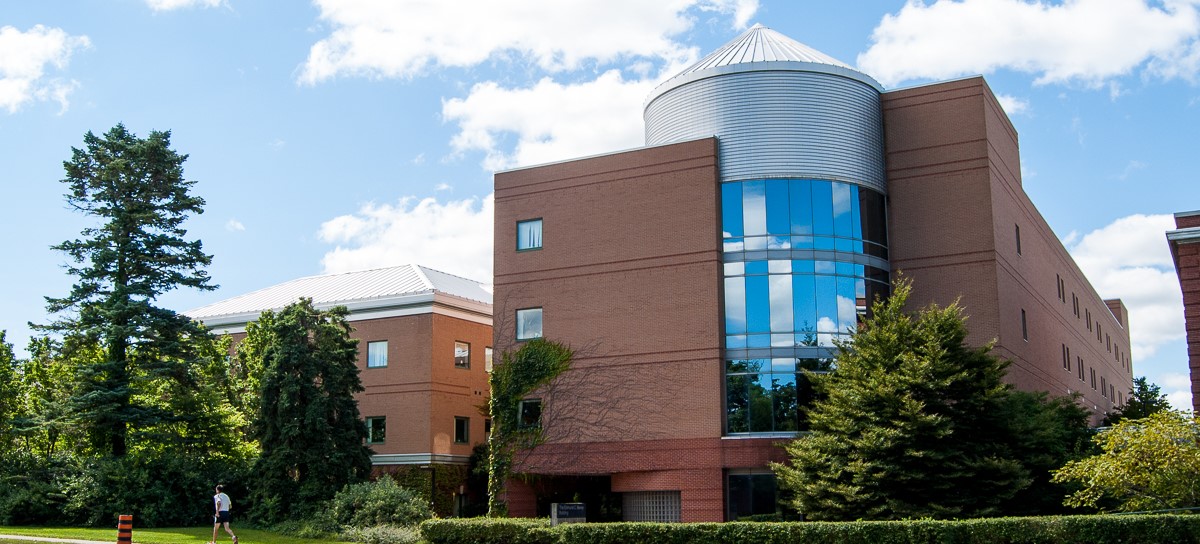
pixel 125 529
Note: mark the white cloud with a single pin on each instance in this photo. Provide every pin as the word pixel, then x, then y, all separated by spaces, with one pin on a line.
pixel 233 225
pixel 168 5
pixel 1181 400
pixel 1088 42
pixel 443 187
pixel 1176 380
pixel 24 58
pixel 551 121
pixel 1012 105
pixel 454 237
pixel 1129 259
pixel 1130 169
pixel 387 39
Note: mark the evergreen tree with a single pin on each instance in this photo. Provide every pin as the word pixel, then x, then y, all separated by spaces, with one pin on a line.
pixel 308 422
pixel 1145 399
pixel 10 388
pixel 135 190
pixel 906 425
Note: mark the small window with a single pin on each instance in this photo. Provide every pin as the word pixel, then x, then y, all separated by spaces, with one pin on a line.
pixel 1108 342
pixel 529 323
pixel 487 358
pixel 1093 371
pixel 529 234
pixel 376 430
pixel 1018 231
pixel 1079 367
pixel 1075 302
pixel 1024 326
pixel 462 430
pixel 462 355
pixel 1089 318
pixel 487 427
pixel 529 415
pixel 377 354
pixel 1066 358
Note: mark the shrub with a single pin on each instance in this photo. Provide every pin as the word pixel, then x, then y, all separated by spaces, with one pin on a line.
pixel 488 531
pixel 381 502
pixel 382 534
pixel 309 528
pixel 1141 529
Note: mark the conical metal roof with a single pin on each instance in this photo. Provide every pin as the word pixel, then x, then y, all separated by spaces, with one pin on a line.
pixel 761 44
pixel 761 49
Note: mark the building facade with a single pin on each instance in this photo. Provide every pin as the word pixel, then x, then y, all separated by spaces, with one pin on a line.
pixel 1185 249
pixel 779 193
pixel 423 356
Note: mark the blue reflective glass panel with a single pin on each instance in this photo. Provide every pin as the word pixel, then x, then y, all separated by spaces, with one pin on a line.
pixel 801 206
pixel 731 209
pixel 758 310
pixel 847 307
pixel 827 311
pixel 804 306
pixel 822 208
pixel 735 305
pixel 842 224
pixel 784 402
pixel 778 217
pixel 781 302
pixel 761 420
pixel 754 208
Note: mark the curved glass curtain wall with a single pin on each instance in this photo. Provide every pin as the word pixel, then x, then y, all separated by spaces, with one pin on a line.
pixel 803 259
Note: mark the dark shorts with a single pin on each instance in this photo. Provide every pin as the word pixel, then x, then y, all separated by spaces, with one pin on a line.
pixel 222 517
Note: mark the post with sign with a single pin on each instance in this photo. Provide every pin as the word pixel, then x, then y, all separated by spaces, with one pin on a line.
pixel 567 512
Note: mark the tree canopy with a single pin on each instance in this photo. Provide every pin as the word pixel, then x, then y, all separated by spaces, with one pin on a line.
pixel 308 421
pixel 914 423
pixel 1150 463
pixel 134 190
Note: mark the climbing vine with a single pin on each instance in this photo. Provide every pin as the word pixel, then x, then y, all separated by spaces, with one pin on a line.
pixel 518 374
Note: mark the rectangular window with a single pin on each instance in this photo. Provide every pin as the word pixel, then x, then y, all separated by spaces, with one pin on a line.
pixel 1066 358
pixel 487 427
pixel 377 354
pixel 376 430
pixel 1089 318
pixel 529 323
pixel 462 355
pixel 462 430
pixel 1093 371
pixel 751 493
pixel 1018 231
pixel 529 234
pixel 1075 303
pixel 1024 326
pixel 487 359
pixel 1108 342
pixel 1103 387
pixel 529 414
pixel 1079 367
pixel 1099 335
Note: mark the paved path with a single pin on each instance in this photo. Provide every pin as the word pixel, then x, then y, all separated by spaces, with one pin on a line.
pixel 62 540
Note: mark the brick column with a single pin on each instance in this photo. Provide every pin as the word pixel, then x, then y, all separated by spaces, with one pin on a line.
pixel 1185 248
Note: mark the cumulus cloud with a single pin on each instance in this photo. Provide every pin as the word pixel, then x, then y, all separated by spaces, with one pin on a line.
pixel 386 39
pixel 1129 259
pixel 551 121
pixel 454 237
pixel 24 59
pixel 1088 42
pixel 168 5
pixel 1012 105
pixel 233 225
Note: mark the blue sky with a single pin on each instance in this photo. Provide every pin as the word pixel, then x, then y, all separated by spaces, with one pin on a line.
pixel 335 135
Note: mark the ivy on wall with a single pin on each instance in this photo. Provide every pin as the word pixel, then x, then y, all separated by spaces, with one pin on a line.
pixel 518 374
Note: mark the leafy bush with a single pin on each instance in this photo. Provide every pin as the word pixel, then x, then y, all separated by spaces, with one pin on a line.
pixel 382 534
pixel 1143 529
pixel 316 528
pixel 30 490
pixel 381 502
pixel 488 531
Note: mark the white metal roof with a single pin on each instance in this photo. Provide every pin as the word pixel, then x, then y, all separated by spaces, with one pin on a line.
pixel 357 289
pixel 761 44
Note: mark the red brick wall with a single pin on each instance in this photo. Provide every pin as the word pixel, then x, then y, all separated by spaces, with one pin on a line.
pixel 629 276
pixel 1188 267
pixel 955 201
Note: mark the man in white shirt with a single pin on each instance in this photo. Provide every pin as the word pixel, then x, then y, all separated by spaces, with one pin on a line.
pixel 222 505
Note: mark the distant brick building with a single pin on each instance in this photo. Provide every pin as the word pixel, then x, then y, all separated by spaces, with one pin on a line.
pixel 698 277
pixel 424 352
pixel 1185 248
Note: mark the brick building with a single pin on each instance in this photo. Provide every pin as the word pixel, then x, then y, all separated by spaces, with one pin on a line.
pixel 1185 248
pixel 424 351
pixel 778 192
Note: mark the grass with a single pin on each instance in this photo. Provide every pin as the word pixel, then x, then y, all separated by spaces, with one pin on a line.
pixel 168 535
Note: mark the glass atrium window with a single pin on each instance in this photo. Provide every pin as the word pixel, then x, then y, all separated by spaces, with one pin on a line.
pixel 529 323
pixel 377 354
pixel 529 234
pixel 803 261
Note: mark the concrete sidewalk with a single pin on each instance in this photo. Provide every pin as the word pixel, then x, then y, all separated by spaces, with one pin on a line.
pixel 48 539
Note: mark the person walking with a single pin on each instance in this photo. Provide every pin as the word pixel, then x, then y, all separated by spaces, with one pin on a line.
pixel 222 505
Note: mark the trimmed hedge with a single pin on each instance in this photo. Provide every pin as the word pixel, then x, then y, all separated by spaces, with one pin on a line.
pixel 1101 529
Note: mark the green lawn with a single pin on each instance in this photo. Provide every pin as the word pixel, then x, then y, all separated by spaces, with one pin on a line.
pixel 170 535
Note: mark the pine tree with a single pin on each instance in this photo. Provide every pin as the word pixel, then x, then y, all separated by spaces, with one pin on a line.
pixel 308 422
pixel 1145 399
pixel 905 425
pixel 135 190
